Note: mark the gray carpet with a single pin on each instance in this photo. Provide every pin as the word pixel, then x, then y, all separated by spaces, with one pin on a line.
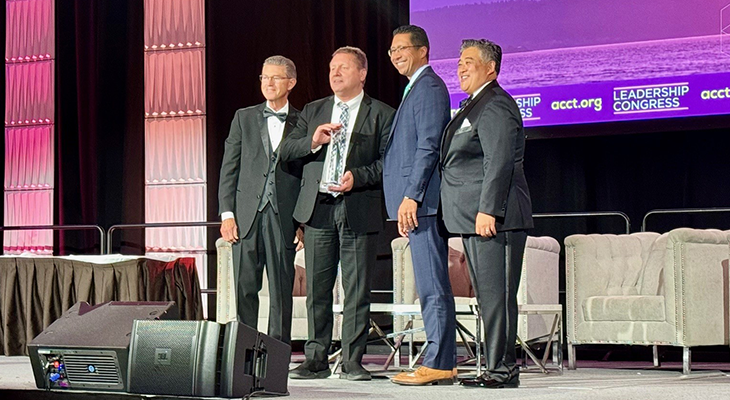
pixel 594 380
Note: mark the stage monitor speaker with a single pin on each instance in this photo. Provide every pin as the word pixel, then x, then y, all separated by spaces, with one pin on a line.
pixel 174 357
pixel 252 362
pixel 87 347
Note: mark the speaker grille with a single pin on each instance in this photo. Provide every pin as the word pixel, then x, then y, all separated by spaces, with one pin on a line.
pixel 92 369
pixel 173 341
pixel 167 357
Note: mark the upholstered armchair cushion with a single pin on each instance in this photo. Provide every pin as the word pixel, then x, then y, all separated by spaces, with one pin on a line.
pixel 458 272
pixel 624 308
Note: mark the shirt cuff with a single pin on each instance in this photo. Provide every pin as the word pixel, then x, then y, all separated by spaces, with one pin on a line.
pixel 316 149
pixel 226 215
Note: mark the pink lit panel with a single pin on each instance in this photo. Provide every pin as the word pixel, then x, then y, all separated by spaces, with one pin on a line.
pixel 28 208
pixel 175 82
pixel 171 24
pixel 175 203
pixel 29 30
pixel 29 157
pixel 175 150
pixel 29 93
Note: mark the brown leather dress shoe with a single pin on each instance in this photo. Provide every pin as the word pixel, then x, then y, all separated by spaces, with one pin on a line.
pixel 425 376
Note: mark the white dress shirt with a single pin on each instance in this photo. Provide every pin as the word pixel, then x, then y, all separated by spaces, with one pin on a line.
pixel 476 92
pixel 276 132
pixel 276 127
pixel 414 77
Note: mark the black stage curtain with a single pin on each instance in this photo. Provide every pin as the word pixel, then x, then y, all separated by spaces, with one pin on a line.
pixel 632 173
pixel 99 120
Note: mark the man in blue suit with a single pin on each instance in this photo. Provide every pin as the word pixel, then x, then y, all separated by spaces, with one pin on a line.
pixel 411 184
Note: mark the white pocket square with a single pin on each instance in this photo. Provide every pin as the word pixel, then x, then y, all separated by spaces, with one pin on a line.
pixel 465 127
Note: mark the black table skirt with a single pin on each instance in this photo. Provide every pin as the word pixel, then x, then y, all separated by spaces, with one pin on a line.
pixel 34 292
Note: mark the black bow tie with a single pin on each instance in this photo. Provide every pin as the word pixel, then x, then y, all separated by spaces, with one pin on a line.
pixel 465 102
pixel 270 113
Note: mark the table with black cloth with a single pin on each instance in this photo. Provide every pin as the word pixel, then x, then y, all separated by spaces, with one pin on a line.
pixel 35 291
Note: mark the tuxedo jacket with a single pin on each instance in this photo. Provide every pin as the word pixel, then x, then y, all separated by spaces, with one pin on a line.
pixel 482 170
pixel 245 167
pixel 410 166
pixel 364 203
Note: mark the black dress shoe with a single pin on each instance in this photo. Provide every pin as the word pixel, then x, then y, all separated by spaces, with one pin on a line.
pixel 489 382
pixel 310 370
pixel 353 371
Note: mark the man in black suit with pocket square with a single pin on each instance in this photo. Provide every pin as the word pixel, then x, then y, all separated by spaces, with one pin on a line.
pixel 341 140
pixel 257 194
pixel 485 199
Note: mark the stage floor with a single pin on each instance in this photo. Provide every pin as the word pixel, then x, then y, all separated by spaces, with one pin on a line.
pixel 592 380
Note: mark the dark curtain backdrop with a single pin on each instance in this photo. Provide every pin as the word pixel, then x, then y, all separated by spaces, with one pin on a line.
pixel 633 173
pixel 99 120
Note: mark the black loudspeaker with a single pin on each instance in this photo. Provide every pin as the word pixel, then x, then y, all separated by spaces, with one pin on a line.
pixel 252 362
pixel 174 357
pixel 87 347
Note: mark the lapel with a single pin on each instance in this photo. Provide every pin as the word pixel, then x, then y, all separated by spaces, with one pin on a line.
pixel 427 70
pixel 289 125
pixel 362 116
pixel 453 125
pixel 324 117
pixel 263 129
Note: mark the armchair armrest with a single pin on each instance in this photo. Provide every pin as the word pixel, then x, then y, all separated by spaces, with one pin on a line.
pixel 539 280
pixel 404 282
pixel 226 291
pixel 696 274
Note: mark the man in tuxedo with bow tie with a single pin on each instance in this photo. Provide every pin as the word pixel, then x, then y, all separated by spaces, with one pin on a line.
pixel 257 194
pixel 486 201
pixel 340 139
pixel 411 183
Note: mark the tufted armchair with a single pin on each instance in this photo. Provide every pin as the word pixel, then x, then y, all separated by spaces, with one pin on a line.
pixel 648 289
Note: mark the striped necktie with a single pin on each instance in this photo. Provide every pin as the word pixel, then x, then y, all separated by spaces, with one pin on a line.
pixel 337 163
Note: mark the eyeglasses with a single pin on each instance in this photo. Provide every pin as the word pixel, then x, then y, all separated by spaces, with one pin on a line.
pixel 277 79
pixel 398 50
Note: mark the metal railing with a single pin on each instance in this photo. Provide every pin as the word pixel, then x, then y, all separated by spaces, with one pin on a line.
pixel 102 235
pixel 110 235
pixel 110 231
pixel 682 211
pixel 587 214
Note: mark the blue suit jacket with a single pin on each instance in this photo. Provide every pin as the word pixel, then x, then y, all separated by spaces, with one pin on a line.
pixel 412 153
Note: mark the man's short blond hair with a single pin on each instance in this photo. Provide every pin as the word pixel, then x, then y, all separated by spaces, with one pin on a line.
pixel 362 59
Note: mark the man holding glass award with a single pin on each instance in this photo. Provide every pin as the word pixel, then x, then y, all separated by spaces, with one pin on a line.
pixel 340 139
